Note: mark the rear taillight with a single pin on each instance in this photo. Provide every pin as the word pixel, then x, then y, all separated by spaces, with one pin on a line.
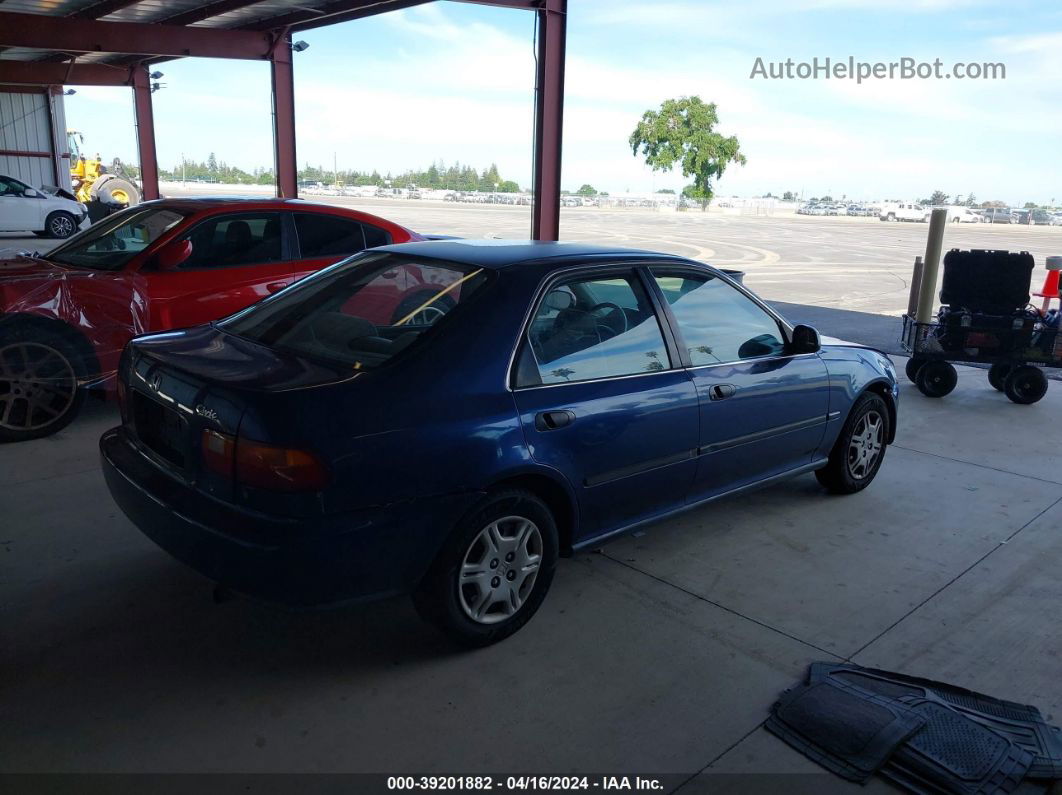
pixel 218 451
pixel 262 465
pixel 278 468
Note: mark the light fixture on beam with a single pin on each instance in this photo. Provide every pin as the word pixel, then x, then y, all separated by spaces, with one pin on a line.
pixel 299 46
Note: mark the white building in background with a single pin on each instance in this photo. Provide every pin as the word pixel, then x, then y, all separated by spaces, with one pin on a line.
pixel 33 144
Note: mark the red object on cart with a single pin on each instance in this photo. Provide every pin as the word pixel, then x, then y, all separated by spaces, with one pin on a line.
pixel 1050 289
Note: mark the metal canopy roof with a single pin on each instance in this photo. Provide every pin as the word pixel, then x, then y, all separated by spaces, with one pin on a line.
pixel 243 15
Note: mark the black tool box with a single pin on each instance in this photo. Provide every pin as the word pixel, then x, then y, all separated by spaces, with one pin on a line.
pixel 992 282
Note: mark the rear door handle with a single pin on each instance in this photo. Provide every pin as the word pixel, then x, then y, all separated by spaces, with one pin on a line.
pixel 552 420
pixel 721 391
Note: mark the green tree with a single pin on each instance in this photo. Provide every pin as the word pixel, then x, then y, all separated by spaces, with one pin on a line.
pixel 666 190
pixel 1030 205
pixel 586 190
pixel 508 186
pixel 212 164
pixel 683 132
pixel 971 200
pixel 788 196
pixel 938 197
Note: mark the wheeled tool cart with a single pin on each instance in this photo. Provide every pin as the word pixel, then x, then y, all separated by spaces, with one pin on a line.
pixel 985 319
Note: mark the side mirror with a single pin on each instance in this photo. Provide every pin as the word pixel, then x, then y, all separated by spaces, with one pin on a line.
pixel 31 193
pixel 173 254
pixel 805 340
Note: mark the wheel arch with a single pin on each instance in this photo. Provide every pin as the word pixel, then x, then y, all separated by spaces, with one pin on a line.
pixel 883 389
pixel 557 497
pixel 77 340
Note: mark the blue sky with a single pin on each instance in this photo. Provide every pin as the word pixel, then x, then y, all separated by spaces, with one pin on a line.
pixel 453 81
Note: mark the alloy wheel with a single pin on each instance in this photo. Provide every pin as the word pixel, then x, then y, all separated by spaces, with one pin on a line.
pixel 61 226
pixel 865 445
pixel 499 569
pixel 37 386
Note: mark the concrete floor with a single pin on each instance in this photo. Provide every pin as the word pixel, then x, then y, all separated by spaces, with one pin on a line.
pixel 660 654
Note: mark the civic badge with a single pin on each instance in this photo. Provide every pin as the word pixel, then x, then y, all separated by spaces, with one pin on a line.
pixel 206 413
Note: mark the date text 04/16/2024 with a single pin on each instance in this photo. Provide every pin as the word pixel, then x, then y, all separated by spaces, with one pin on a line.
pixel 522 783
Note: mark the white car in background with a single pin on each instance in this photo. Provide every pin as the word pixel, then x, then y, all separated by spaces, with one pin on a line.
pixel 43 211
pixel 903 211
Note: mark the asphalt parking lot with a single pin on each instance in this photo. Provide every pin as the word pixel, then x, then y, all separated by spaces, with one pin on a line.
pixel 854 264
pixel 659 654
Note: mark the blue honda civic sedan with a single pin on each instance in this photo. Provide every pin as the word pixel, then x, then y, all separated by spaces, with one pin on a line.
pixel 447 418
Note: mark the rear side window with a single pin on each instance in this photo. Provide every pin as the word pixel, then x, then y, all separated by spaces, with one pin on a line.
pixel 374 236
pixel 328 235
pixel 227 241
pixel 362 312
pixel 600 327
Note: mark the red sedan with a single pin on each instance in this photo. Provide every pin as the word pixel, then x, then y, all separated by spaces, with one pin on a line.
pixel 65 316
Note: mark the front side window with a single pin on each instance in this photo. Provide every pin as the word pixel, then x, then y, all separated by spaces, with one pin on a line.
pixel 717 322
pixel 111 243
pixel 362 312
pixel 226 241
pixel 11 187
pixel 599 327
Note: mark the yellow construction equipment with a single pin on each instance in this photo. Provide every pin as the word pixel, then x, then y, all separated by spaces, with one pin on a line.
pixel 103 189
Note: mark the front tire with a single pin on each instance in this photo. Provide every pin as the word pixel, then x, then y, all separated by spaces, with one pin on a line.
pixel 494 570
pixel 1025 384
pixel 937 379
pixel 860 448
pixel 39 376
pixel 60 225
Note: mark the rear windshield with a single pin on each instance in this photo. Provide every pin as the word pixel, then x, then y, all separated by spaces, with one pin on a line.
pixel 361 312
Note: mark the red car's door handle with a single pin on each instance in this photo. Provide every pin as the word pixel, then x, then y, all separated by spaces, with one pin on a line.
pixel 276 287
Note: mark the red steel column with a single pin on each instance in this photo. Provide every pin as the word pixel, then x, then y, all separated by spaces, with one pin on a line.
pixel 284 162
pixel 549 118
pixel 145 133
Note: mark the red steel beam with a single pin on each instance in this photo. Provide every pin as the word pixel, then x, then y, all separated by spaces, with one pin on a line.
pixel 61 74
pixel 145 133
pixel 549 120
pixel 284 162
pixel 134 38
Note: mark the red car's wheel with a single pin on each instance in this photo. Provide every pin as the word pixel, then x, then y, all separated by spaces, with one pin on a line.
pixel 39 374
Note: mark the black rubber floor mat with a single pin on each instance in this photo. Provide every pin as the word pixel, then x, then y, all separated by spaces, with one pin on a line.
pixel 1022 724
pixel 953 754
pixel 842 728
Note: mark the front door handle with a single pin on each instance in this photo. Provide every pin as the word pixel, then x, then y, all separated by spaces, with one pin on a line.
pixel 721 391
pixel 276 287
pixel 552 420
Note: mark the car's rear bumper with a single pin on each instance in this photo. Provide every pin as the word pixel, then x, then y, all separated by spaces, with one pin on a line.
pixel 299 562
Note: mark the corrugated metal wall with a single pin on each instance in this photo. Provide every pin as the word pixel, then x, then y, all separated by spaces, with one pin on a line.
pixel 26 125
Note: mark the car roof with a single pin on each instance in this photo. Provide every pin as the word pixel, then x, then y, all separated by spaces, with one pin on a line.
pixel 495 254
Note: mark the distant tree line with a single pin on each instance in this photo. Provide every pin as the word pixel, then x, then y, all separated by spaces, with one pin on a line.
pixel 437 176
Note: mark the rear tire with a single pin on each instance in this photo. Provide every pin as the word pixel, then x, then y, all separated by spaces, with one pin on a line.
pixel 60 225
pixel 39 375
pixel 936 379
pixel 857 454
pixel 477 607
pixel 1025 384
pixel 912 368
pixel 997 375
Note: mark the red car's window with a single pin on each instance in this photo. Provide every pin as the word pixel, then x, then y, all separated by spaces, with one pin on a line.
pixel 361 312
pixel 328 235
pixel 226 241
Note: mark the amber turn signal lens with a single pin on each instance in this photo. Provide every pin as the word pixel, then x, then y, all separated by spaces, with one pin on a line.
pixel 278 468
